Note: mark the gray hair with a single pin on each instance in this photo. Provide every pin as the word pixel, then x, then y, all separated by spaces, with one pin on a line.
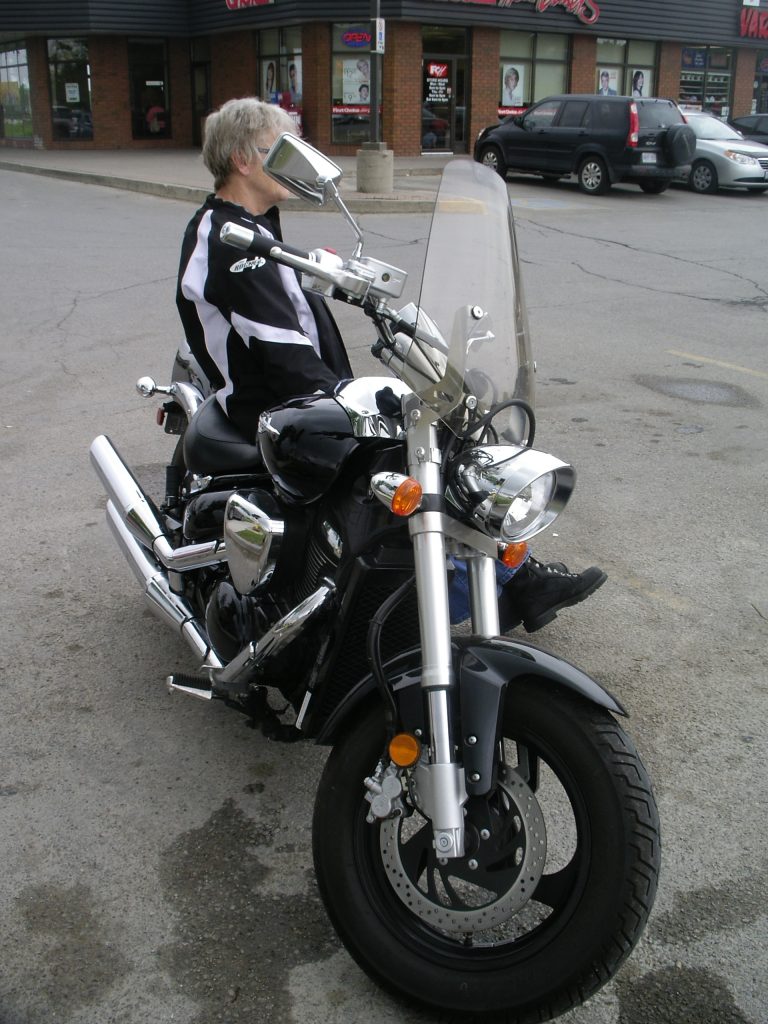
pixel 238 128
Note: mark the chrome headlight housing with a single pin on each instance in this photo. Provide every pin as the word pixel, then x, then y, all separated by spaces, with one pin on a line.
pixel 510 493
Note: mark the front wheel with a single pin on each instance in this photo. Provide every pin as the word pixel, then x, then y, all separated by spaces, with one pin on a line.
pixel 560 872
pixel 703 177
pixel 491 157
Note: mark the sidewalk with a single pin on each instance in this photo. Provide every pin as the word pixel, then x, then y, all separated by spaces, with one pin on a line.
pixel 180 174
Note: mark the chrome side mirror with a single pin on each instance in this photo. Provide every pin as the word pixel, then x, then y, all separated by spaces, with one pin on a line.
pixel 302 169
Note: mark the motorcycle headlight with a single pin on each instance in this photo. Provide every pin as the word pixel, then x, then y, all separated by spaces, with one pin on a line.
pixel 510 493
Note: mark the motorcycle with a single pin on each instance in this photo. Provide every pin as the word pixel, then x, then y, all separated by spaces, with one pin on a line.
pixel 485 837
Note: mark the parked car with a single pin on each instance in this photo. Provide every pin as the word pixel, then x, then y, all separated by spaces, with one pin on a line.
pixel 724 158
pixel 754 127
pixel 601 139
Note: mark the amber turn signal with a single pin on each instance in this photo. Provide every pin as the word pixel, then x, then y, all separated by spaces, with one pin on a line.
pixel 407 497
pixel 404 750
pixel 514 555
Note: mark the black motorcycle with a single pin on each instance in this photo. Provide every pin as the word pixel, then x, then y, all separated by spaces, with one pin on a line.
pixel 486 841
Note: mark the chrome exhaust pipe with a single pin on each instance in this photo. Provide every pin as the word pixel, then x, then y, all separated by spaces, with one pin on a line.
pixel 141 517
pixel 172 608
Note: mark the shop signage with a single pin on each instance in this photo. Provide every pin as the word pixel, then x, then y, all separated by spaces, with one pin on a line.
pixel 586 11
pixel 754 24
pixel 356 39
pixel 239 5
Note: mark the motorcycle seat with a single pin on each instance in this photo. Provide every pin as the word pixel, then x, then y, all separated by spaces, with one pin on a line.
pixel 213 446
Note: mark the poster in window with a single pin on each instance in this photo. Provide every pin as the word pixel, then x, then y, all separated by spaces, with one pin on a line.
pixel 642 82
pixel 356 85
pixel 606 82
pixel 269 81
pixel 294 81
pixel 512 85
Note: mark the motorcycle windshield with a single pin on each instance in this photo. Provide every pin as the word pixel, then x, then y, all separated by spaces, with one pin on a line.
pixel 472 291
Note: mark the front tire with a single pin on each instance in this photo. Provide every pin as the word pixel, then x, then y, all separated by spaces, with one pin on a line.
pixel 545 936
pixel 703 178
pixel 593 176
pixel 491 156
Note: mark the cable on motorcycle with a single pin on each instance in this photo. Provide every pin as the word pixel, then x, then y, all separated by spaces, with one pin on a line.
pixel 485 421
pixel 373 652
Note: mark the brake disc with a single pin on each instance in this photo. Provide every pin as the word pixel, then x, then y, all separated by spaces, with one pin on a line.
pixel 506 853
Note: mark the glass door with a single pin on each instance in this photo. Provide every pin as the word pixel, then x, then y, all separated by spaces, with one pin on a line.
pixel 443 110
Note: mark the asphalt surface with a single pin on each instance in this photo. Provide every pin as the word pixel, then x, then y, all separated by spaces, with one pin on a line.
pixel 156 852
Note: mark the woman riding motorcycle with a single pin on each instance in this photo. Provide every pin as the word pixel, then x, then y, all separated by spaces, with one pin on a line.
pixel 262 339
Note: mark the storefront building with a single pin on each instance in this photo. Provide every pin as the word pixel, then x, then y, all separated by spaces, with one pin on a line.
pixel 107 74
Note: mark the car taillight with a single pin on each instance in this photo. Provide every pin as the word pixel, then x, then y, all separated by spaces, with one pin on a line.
pixel 634 125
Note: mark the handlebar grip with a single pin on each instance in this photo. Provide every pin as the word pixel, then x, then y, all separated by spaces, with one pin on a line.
pixel 256 243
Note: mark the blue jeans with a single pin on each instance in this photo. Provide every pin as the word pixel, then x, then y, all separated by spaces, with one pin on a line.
pixel 458 588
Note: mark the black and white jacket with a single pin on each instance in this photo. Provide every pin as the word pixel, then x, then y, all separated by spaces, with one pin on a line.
pixel 258 336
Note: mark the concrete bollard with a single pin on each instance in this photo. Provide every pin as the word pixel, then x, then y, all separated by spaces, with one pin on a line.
pixel 375 168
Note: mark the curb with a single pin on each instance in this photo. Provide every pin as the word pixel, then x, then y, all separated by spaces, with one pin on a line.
pixel 356 202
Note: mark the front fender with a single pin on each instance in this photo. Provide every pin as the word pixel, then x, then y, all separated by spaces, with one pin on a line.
pixel 484 667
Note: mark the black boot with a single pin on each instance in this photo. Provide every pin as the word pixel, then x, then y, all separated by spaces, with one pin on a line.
pixel 537 592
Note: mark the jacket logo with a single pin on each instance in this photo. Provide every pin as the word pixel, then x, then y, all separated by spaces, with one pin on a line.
pixel 241 265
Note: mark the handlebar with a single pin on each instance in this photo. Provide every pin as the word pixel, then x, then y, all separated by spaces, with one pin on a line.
pixel 258 244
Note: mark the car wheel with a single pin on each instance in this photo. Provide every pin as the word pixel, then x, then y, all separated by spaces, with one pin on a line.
pixel 491 157
pixel 654 188
pixel 593 176
pixel 703 177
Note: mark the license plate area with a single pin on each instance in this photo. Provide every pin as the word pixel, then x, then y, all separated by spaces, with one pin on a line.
pixel 649 158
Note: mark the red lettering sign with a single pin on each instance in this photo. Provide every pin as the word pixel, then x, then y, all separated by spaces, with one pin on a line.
pixel 237 5
pixel 585 10
pixel 437 70
pixel 754 24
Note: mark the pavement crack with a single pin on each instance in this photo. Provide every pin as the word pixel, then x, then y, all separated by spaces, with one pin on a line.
pixel 702 264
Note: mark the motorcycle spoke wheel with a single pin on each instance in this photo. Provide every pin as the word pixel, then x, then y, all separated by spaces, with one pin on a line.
pixel 557 882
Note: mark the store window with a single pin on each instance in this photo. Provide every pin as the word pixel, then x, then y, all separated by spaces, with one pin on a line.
pixel 15 106
pixel 280 71
pixel 705 79
pixel 150 100
pixel 626 67
pixel 532 67
pixel 69 74
pixel 351 83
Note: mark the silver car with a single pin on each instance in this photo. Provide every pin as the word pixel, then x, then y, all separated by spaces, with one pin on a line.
pixel 724 158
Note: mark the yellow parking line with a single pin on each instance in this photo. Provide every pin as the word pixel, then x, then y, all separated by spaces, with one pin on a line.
pixel 718 362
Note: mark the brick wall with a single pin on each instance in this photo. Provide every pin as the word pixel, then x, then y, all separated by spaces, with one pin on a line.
pixel 744 82
pixel 234 67
pixel 484 82
pixel 402 94
pixel 316 84
pixel 583 64
pixel 670 65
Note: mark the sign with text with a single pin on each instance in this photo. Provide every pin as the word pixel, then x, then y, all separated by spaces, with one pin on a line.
pixel 754 24
pixel 239 5
pixel 587 11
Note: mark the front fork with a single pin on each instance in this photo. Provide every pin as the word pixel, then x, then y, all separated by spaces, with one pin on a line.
pixel 441 783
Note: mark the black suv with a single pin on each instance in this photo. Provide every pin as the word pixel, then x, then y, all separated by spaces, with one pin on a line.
pixel 600 139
